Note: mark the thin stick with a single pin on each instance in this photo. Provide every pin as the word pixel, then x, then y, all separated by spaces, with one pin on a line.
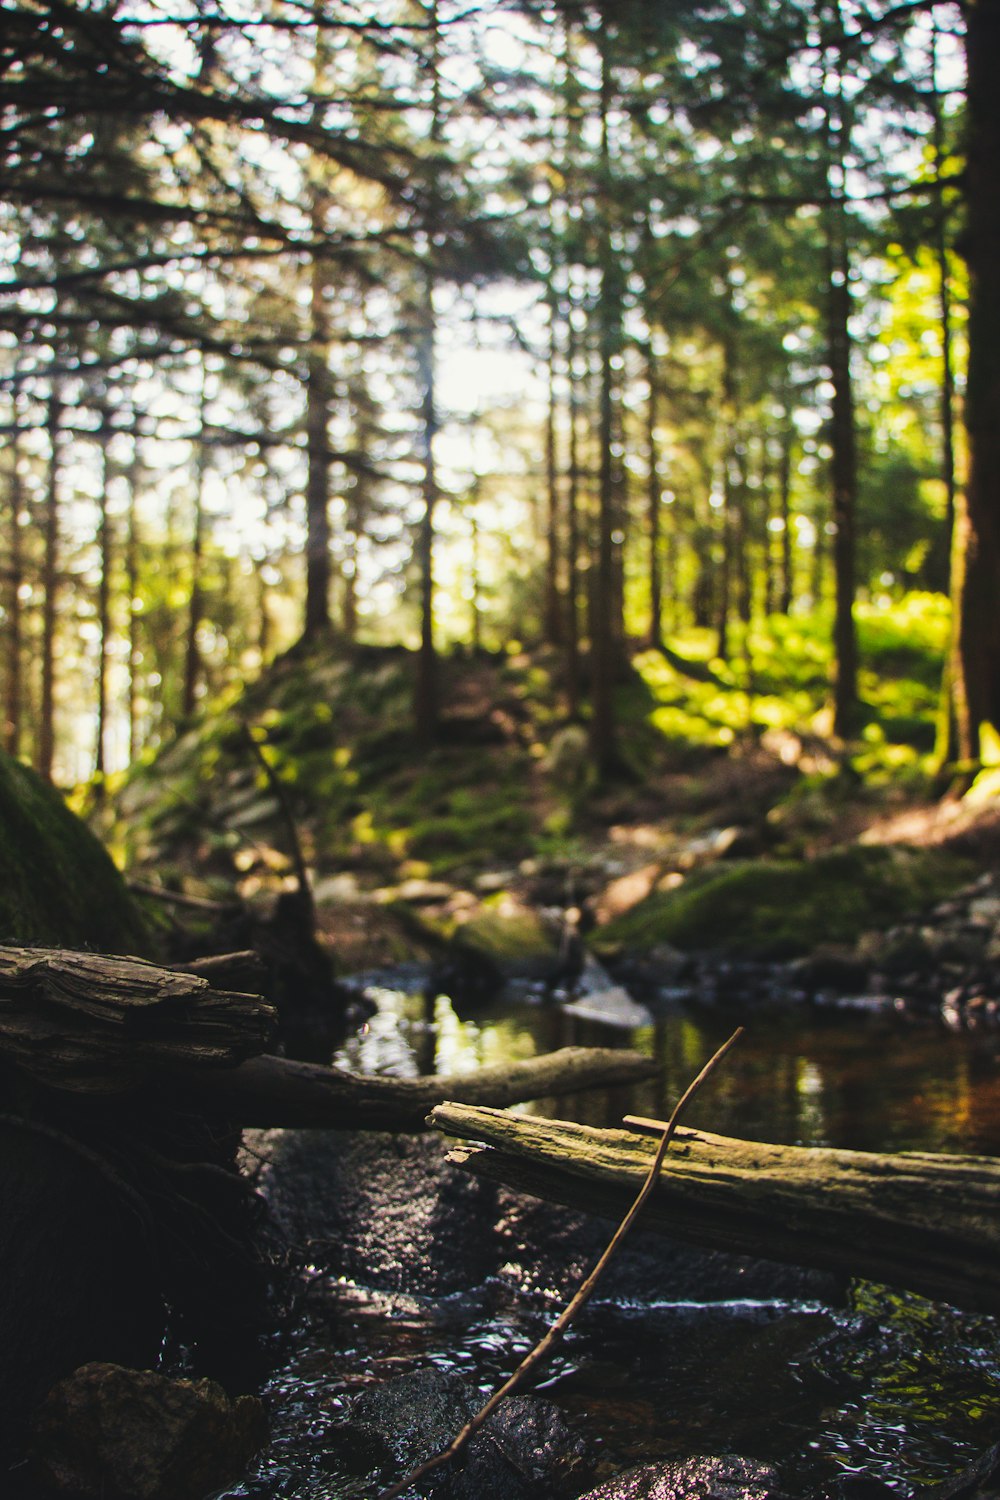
pixel 580 1298
pixel 280 793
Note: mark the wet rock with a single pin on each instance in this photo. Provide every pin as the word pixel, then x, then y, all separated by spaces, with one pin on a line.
pixel 525 1451
pixel 829 969
pixel 412 1417
pixel 981 1481
pixel 723 1478
pixel 387 1209
pixel 116 1434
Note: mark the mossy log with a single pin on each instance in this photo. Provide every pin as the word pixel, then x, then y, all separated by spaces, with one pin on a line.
pixel 97 1024
pixel 929 1223
pixel 274 1091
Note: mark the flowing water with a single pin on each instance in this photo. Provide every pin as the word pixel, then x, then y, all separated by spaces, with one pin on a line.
pixel 839 1387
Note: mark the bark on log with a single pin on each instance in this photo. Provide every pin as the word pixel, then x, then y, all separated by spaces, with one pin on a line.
pixel 95 1024
pixel 274 1091
pixel 929 1223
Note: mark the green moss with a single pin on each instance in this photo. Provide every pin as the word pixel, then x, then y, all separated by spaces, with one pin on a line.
pixel 786 908
pixel 507 936
pixel 58 885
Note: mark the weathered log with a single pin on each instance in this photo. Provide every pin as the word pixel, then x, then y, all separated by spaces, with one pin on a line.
pixel 929 1223
pixel 274 1091
pixel 96 1024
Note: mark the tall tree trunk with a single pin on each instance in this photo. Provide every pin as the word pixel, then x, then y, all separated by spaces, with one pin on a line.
pixel 359 498
pixel 573 539
pixel 976 671
pixel 947 746
pixel 605 643
pixel 653 504
pixel 105 544
pixel 553 611
pixel 196 595
pixel 787 589
pixel 45 750
pixel 15 619
pixel 426 693
pixel 319 399
pixel 132 550
pixel 843 438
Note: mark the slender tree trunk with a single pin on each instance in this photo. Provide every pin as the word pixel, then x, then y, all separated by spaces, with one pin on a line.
pixel 132 584
pixel 605 632
pixel 843 438
pixel 358 495
pixel 15 619
pixel 947 747
pixel 319 399
pixel 45 750
pixel 653 504
pixel 787 590
pixel 573 540
pixel 553 611
pixel 105 543
pixel 425 706
pixel 976 672
pixel 426 694
pixel 196 596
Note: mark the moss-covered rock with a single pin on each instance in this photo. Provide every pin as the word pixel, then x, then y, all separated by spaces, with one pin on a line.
pixel 58 885
pixel 786 908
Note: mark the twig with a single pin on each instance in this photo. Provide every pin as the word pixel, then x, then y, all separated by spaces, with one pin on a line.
pixel 580 1298
pixel 181 898
pixel 280 793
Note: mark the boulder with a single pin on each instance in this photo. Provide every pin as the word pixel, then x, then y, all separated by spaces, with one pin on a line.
pixel 117 1434
pixel 713 1478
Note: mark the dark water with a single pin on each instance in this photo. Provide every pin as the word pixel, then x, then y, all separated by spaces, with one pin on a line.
pixel 830 1387
pixel 861 1081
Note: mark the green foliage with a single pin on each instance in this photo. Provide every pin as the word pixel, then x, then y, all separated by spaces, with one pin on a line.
pixel 785 908
pixel 58 885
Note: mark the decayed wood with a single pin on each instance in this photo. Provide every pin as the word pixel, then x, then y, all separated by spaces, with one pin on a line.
pixel 98 1024
pixel 930 1223
pixel 274 1091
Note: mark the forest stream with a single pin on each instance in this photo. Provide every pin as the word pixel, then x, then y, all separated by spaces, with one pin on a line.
pixel 417 1279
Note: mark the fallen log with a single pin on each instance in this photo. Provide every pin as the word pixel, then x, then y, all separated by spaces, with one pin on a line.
pixel 928 1223
pixel 274 1091
pixel 97 1024
pixel 88 1023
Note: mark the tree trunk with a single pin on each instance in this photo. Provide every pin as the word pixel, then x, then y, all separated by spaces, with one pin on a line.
pixel 105 549
pixel 425 702
pixel 976 667
pixel 319 399
pixel 925 1222
pixel 653 504
pixel 45 749
pixel 843 436
pixel 15 618
pixel 132 551
pixel 606 633
pixel 196 595
pixel 553 613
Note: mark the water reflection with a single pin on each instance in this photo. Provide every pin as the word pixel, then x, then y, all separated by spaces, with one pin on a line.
pixel 865 1082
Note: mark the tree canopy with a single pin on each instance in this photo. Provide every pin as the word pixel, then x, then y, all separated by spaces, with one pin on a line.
pixel 457 324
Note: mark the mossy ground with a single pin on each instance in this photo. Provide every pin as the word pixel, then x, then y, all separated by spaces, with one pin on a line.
pixel 786 908
pixel 58 886
pixel 506 784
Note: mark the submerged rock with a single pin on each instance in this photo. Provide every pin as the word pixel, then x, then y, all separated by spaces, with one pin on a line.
pixel 524 1451
pixel 116 1434
pixel 724 1478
